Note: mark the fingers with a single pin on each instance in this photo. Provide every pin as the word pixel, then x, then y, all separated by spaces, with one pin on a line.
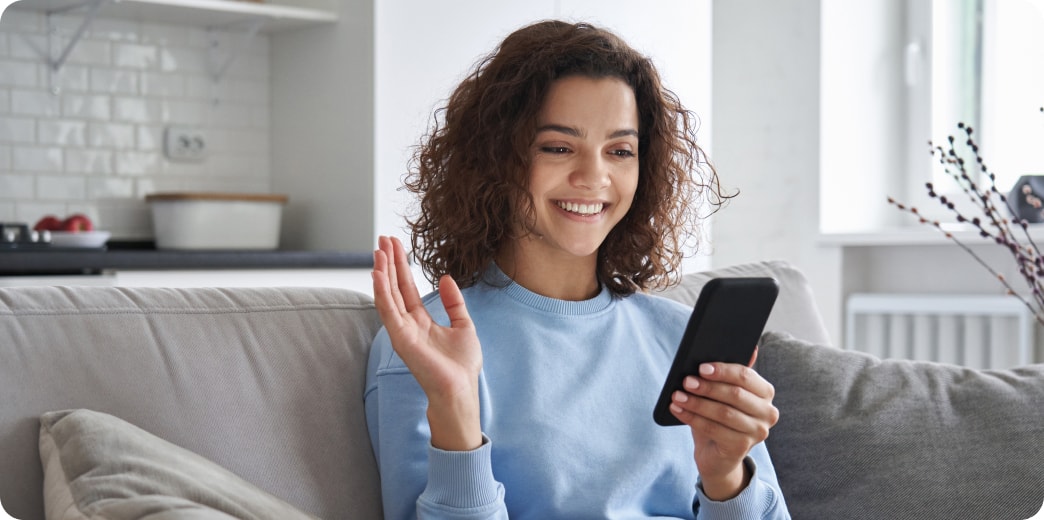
pixel 453 302
pixel 726 399
pixel 404 277
pixel 394 292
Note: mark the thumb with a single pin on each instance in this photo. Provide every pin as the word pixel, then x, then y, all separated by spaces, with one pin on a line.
pixel 753 357
pixel 453 302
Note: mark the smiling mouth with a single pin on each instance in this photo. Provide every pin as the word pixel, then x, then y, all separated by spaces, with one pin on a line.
pixel 581 209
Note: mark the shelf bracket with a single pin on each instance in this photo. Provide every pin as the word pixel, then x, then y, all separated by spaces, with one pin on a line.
pixel 54 64
pixel 219 61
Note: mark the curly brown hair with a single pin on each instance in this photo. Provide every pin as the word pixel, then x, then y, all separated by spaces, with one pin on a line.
pixel 471 170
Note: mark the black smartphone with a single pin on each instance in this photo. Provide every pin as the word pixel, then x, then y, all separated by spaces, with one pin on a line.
pixel 725 326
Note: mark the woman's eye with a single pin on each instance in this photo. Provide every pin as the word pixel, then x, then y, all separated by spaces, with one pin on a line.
pixel 554 149
pixel 622 153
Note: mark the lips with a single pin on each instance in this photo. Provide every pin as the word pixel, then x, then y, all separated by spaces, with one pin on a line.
pixel 582 209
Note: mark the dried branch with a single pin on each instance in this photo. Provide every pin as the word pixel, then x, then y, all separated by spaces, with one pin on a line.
pixel 994 223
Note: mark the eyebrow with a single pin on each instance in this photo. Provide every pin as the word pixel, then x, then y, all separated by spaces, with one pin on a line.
pixel 576 132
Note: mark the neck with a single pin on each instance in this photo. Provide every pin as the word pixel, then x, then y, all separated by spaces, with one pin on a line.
pixel 570 279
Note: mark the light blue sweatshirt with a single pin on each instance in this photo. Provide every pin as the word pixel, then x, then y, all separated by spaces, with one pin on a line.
pixel 566 392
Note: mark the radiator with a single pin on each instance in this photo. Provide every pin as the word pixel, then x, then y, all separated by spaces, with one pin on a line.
pixel 974 331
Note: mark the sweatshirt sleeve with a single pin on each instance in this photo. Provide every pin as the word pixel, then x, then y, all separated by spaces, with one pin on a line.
pixel 418 480
pixel 762 499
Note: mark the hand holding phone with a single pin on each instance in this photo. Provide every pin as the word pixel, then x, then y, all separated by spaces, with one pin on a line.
pixel 725 325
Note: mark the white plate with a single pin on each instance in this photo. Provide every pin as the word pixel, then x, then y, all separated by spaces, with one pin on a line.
pixel 79 238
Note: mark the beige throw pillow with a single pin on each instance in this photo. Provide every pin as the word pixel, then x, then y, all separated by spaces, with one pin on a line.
pixel 97 466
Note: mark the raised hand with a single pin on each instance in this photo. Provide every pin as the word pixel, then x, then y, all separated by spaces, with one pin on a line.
pixel 729 409
pixel 445 360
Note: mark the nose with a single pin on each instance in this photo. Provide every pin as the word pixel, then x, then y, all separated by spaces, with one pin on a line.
pixel 591 172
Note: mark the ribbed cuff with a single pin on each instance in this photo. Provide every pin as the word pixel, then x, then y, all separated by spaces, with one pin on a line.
pixel 462 479
pixel 751 503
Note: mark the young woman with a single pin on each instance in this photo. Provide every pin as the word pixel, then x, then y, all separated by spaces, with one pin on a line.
pixel 559 184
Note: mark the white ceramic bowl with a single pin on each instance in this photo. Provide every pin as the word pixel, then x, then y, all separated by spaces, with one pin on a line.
pixel 216 220
pixel 79 238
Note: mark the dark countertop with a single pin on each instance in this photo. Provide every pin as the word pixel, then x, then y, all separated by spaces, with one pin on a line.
pixel 143 256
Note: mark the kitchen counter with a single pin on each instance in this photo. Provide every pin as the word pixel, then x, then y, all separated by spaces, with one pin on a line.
pixel 136 256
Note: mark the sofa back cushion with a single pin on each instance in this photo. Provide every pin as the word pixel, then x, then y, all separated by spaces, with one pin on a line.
pixel 265 382
pixel 860 437
pixel 795 311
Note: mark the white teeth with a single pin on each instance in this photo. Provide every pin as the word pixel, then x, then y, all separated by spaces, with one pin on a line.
pixel 581 209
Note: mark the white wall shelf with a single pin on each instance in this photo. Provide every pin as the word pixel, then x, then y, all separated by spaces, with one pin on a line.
pixel 203 13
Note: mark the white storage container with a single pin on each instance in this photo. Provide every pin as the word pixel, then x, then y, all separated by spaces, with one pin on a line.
pixel 216 220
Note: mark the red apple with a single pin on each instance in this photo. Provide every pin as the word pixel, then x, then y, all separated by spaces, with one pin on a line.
pixel 76 222
pixel 48 223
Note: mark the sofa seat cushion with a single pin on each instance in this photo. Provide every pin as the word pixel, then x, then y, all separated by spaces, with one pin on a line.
pixel 860 437
pixel 99 466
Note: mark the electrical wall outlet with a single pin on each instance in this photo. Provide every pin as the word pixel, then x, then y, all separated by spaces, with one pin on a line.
pixel 184 144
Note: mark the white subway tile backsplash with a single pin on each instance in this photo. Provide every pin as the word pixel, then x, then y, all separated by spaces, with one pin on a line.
pixel 137 163
pixel 148 185
pixel 61 187
pixel 135 56
pixel 185 112
pixel 89 137
pixel 136 109
pixel 38 103
pixel 111 135
pixel 17 73
pixel 87 106
pixel 183 60
pixel 229 165
pixel 70 78
pixel 36 159
pixel 17 130
pixel 164 35
pixel 61 132
pixel 154 84
pixel 110 188
pixel 16 186
pixel 32 210
pixel 85 52
pixel 149 138
pixel 82 160
pixel 231 113
pixel 202 87
pixel 114 81
pixel 25 46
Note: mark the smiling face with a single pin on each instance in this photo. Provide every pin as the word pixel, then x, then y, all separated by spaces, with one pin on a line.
pixel 583 173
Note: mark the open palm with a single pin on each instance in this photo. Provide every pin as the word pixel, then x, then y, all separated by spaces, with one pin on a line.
pixel 446 361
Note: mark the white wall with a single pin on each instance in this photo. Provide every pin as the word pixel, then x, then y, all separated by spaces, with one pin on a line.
pixel 424 49
pixel 766 104
pixel 323 109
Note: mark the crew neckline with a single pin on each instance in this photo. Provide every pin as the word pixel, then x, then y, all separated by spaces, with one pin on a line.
pixel 498 280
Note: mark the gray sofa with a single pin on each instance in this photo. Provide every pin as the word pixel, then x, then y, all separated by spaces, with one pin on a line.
pixel 247 403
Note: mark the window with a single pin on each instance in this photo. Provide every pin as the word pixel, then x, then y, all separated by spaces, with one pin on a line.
pixel 987 70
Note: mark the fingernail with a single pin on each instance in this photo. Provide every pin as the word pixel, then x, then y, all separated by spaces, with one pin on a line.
pixel 680 397
pixel 691 383
pixel 706 369
pixel 675 408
